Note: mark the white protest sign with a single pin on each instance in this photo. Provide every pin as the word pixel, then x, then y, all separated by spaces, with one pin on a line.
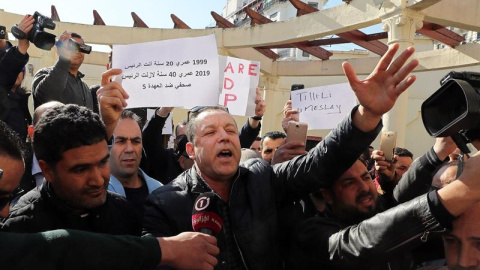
pixel 324 107
pixel 167 128
pixel 175 73
pixel 239 82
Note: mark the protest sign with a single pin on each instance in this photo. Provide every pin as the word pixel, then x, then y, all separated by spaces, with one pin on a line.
pixel 175 73
pixel 324 107
pixel 239 82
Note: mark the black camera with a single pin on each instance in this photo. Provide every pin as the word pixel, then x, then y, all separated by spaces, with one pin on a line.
pixel 454 109
pixel 455 106
pixel 74 46
pixel 3 32
pixel 37 35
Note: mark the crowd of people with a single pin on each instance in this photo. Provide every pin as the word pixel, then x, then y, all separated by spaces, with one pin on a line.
pixel 90 187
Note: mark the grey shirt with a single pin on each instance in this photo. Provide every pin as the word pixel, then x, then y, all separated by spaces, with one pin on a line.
pixel 57 83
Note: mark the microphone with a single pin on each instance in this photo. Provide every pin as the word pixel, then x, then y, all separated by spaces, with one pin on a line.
pixel 205 216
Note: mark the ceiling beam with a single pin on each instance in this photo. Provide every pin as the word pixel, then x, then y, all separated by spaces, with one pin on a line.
pixel 441 34
pixel 178 24
pixel 357 37
pixel 137 22
pixel 224 23
pixel 302 45
pixel 97 19
pixel 54 15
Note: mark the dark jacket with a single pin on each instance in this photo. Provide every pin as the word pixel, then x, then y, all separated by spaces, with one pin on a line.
pixel 57 83
pixel 41 210
pixel 14 105
pixel 77 250
pixel 258 193
pixel 381 242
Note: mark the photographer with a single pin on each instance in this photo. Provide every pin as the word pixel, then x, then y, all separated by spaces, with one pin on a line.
pixel 4 43
pixel 13 98
pixel 63 82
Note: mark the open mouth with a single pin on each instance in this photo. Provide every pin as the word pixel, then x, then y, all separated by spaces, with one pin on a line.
pixel 365 199
pixel 225 153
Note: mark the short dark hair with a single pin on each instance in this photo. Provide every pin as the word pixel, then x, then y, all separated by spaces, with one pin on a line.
pixel 402 152
pixel 10 143
pixel 66 127
pixel 75 35
pixel 192 124
pixel 272 135
pixel 127 114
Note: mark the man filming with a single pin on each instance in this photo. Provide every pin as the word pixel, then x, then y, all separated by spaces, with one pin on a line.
pixel 63 81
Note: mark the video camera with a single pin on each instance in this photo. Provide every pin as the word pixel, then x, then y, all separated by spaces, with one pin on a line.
pixel 74 46
pixel 37 35
pixel 3 32
pixel 454 109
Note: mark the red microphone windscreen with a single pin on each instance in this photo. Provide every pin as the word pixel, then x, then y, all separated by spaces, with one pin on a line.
pixel 205 214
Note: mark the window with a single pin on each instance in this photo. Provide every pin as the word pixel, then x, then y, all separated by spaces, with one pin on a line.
pixel 273 16
pixel 305 54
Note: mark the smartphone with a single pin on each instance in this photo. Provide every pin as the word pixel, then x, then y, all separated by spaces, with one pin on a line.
pixel 3 32
pixel 296 132
pixel 296 87
pixel 387 144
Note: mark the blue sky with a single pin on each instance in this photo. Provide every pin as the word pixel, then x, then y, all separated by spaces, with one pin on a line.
pixel 155 13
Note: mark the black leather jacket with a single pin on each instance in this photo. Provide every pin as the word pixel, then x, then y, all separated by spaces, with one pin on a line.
pixel 258 194
pixel 381 242
pixel 41 210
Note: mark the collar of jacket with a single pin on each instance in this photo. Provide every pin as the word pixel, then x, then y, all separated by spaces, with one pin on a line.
pixel 79 74
pixel 59 205
pixel 198 185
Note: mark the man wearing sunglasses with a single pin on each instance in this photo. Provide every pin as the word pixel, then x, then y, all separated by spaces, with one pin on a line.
pixel 252 195
pixel 70 249
pixel 166 164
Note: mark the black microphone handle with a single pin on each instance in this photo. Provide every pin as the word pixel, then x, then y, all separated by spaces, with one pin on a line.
pixel 206 231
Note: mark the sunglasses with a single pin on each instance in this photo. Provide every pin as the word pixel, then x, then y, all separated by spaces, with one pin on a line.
pixel 193 112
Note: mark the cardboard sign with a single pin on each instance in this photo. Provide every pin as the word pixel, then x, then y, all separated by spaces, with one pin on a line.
pixel 324 107
pixel 174 73
pixel 239 83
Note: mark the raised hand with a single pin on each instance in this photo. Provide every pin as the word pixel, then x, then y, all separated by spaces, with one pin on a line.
pixel 25 26
pixel 111 100
pixel 384 168
pixel 379 91
pixel 260 104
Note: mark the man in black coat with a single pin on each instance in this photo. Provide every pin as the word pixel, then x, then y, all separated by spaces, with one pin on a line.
pixel 252 195
pixel 72 152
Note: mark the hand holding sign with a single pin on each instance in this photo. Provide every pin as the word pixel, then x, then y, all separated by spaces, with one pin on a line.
pixel 260 104
pixel 112 99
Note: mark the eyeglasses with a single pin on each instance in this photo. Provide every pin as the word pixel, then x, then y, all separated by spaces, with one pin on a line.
pixel 198 109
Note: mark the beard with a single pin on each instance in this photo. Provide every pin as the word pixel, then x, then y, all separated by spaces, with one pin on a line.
pixel 351 214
